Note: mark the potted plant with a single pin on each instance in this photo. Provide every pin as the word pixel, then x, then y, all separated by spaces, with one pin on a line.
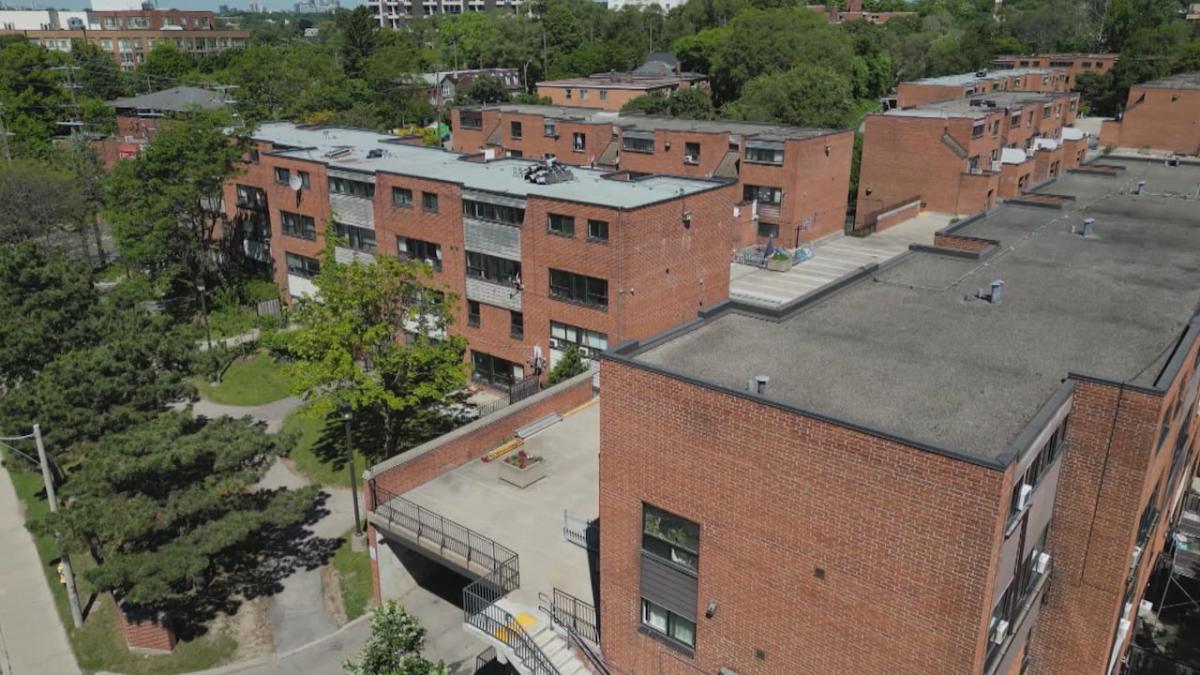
pixel 522 469
pixel 779 260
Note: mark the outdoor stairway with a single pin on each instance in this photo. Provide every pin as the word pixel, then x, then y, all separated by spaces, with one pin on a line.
pixel 558 650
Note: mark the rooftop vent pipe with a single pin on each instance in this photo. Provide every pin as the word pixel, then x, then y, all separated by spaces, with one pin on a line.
pixel 759 384
pixel 1140 186
pixel 1086 229
pixel 997 294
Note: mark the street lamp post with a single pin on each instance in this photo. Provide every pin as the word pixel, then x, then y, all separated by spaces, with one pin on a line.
pixel 356 537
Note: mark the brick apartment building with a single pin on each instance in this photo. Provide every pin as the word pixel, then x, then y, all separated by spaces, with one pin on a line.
pixel 1069 64
pixel 660 73
pixel 962 156
pixel 394 13
pixel 139 117
pixel 583 257
pixel 1162 115
pixel 129 35
pixel 794 180
pixel 965 85
pixel 907 473
pixel 854 12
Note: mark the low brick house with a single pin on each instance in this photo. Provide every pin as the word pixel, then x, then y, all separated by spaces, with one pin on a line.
pixel 964 85
pixel 1071 65
pixel 1162 115
pixel 793 179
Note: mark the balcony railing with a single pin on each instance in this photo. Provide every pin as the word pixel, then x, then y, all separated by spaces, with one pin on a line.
pixel 768 212
pixel 436 531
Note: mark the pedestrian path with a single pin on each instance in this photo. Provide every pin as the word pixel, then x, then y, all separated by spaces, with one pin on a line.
pixel 32 639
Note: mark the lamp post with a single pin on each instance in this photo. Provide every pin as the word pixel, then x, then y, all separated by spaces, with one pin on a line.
pixel 356 539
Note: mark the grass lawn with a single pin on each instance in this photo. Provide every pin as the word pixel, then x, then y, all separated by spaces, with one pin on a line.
pixel 320 450
pixel 98 643
pixel 254 381
pixel 354 572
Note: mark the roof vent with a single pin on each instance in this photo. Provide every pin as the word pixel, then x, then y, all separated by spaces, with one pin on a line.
pixel 997 294
pixel 1141 185
pixel 991 103
pixel 374 154
pixel 975 103
pixel 758 385
pixel 1086 228
pixel 981 73
pixel 548 173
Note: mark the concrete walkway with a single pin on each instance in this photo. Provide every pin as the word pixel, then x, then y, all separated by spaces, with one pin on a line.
pixel 833 257
pixel 273 413
pixel 32 639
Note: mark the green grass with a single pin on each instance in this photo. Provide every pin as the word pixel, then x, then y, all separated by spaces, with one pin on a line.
pixel 113 271
pixel 354 574
pixel 98 643
pixel 254 381
pixel 320 449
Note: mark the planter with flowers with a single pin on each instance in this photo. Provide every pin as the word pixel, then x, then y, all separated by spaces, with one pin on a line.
pixel 522 469
pixel 779 260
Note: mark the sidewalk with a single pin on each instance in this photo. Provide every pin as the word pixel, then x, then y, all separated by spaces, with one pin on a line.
pixel 32 640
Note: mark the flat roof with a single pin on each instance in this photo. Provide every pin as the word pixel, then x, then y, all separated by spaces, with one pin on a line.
pixel 909 351
pixel 623 81
pixel 962 107
pixel 971 78
pixel 589 186
pixel 654 123
pixel 175 99
pixel 1180 81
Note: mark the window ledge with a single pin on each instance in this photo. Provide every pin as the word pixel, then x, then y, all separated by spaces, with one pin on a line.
pixel 667 640
pixel 402 206
pixel 761 162
pixel 564 235
pixel 597 240
pixel 577 303
pixel 643 152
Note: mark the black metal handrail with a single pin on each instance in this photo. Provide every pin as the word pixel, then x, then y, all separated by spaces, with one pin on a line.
pixel 481 611
pixel 444 533
pixel 573 614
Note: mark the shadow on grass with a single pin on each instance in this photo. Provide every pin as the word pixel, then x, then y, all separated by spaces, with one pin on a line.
pixel 369 435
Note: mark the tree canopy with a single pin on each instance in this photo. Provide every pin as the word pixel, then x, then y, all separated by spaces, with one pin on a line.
pixel 394 647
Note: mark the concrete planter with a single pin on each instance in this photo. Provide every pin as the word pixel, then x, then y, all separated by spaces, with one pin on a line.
pixel 523 478
pixel 779 265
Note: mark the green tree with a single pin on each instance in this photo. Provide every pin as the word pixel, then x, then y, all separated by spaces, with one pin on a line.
pixel 695 52
pixel 358 34
pixel 479 90
pixel 38 201
pixel 394 647
pixel 375 341
pixel 160 202
pixel 648 104
pixel 692 103
pixel 170 510
pixel 569 365
pixel 31 95
pixel 803 96
pixel 81 160
pixel 97 74
pixel 165 66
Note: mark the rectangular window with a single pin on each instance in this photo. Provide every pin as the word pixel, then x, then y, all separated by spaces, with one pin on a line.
pixel 417 249
pixel 514 129
pixel 977 130
pixel 597 230
pixel 768 230
pixel 561 225
pixel 282 176
pixel 296 225
pixel 578 141
pixel 578 288
pixel 304 179
pixel 603 94
pixel 470 119
pixel 491 268
pixel 764 195
pixel 633 144
pixel 401 196
pixel 1039 467
pixel 1045 112
pixel 566 334
pixel 516 325
pixel 999 626
pixel 357 238
pixel 494 370
pixel 1029 121
pixel 429 201
pixel 253 153
pixel 567 94
pixel 250 197
pixel 302 265
pixel 583 94
pixel 691 153
pixel 496 213
pixel 354 188
pixel 973 164
pixel 670 537
pixel 1015 121
pixel 670 624
pixel 473 313
pixel 548 129
pixel 764 155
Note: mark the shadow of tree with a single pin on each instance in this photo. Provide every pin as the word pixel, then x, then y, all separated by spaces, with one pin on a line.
pixel 368 432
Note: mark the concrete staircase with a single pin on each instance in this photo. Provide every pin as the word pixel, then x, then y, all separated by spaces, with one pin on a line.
pixel 558 649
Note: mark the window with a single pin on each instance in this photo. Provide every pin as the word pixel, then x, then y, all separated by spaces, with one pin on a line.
pixel 637 144
pixel 764 155
pixel 1029 121
pixel 583 94
pixel 494 370
pixel 561 225
pixel 1015 121
pixel 249 197
pixel 670 537
pixel 429 201
pixel 282 176
pixel 668 623
pixel 578 141
pixel 566 334
pixel 765 195
pixel 516 325
pixel 996 128
pixel 473 313
pixel 354 188
pixel 304 178
pixel 691 153
pixel 296 225
pixel 973 164
pixel 302 265
pixel 253 152
pixel 357 238
pixel 998 627
pixel 567 94
pixel 514 129
pixel 603 94
pixel 470 119
pixel 1045 112
pixel 491 268
pixel 548 129
pixel 416 249
pixel 496 213
pixel 977 130
pixel 578 288
pixel 768 230
pixel 597 230
pixel 1039 467
pixel 516 154
pixel 401 196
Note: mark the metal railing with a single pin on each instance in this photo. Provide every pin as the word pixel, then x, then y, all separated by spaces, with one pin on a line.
pixel 439 531
pixel 581 531
pixel 481 611
pixel 573 614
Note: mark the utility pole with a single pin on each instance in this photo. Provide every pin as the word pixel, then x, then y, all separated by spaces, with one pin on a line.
pixel 76 119
pixel 52 498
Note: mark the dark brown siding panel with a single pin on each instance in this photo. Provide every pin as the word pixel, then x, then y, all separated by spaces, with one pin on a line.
pixel 669 587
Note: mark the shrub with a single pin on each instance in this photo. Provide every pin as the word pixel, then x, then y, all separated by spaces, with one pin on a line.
pixel 569 365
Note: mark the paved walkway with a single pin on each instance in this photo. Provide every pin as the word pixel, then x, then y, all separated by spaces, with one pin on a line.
pixel 273 413
pixel 833 257
pixel 32 639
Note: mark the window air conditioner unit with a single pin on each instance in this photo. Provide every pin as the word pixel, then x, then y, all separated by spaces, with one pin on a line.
pixel 554 344
pixel 585 352
pixel 1023 497
pixel 1042 564
pixel 689 158
pixel 1001 632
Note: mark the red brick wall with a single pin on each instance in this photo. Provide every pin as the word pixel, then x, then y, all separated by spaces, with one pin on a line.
pixel 898 214
pixel 907 540
pixel 615 99
pixel 962 243
pixel 904 156
pixel 1165 120
pixel 146 632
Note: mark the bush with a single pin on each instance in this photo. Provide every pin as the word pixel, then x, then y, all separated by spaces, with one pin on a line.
pixel 568 366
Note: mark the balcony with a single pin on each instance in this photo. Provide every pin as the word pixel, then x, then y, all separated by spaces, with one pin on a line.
pixel 1186 539
pixel 257 250
pixel 346 256
pixel 494 293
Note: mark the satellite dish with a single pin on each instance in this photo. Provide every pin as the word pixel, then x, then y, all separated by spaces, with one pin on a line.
pixel 295 183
